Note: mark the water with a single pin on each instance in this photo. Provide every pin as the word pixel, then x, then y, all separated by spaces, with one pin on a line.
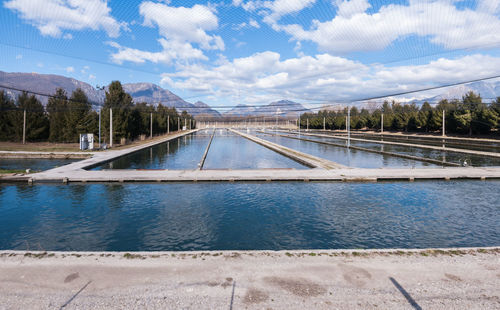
pixel 180 154
pixel 452 157
pixel 249 216
pixel 227 151
pixel 33 164
pixel 230 151
pixel 344 156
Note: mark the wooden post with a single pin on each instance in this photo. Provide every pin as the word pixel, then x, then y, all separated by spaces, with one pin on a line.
pixel 110 127
pixel 444 132
pixel 24 127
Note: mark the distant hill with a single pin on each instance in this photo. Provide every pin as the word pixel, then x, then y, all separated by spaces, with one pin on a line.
pixel 282 108
pixel 47 84
pixel 140 92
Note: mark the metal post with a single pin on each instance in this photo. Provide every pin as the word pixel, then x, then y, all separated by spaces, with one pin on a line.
pixel 151 129
pixel 444 132
pixel 168 124
pixel 100 128
pixel 299 124
pixel 110 127
pixel 178 124
pixel 307 122
pixel 324 123
pixel 348 126
pixel 382 123
pixel 24 128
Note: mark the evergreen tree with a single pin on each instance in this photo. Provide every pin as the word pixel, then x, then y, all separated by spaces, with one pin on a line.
pixel 7 117
pixel 37 124
pixel 57 110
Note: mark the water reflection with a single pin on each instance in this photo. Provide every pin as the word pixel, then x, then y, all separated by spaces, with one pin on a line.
pixel 217 216
pixel 32 163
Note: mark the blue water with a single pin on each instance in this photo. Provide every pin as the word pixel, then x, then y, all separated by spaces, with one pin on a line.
pixel 452 157
pixel 251 216
pixel 230 151
pixel 344 156
pixel 227 151
pixel 33 164
pixel 179 154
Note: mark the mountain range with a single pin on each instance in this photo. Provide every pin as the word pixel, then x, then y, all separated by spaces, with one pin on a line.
pixel 153 94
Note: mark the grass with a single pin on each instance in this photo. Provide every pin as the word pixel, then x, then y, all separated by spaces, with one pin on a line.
pixel 9 171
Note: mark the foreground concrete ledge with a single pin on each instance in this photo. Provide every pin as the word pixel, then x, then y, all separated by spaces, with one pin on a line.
pixel 451 278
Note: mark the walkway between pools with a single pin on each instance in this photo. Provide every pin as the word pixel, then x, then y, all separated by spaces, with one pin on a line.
pixel 323 170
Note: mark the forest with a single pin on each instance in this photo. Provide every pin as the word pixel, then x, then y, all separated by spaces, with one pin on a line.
pixel 66 116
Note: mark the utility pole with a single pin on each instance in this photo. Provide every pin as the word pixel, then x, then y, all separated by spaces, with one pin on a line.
pixel 151 127
pixel 444 132
pixel 24 127
pixel 348 126
pixel 100 128
pixel 110 127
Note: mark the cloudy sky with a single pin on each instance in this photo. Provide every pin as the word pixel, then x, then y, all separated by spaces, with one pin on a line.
pixel 257 51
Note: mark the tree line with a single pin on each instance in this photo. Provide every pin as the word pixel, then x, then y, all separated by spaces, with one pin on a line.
pixel 64 118
pixel 467 116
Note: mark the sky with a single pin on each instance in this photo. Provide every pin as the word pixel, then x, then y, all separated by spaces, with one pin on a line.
pixel 257 51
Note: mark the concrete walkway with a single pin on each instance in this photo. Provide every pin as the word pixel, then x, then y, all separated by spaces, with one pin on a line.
pixel 76 172
pixel 378 279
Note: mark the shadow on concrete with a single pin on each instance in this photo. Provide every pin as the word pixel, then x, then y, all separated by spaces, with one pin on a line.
pixel 232 296
pixel 74 296
pixel 408 297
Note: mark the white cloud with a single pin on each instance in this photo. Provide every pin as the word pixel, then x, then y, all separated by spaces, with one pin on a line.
pixel 264 77
pixel 355 30
pixel 52 17
pixel 183 34
pixel 182 24
pixel 70 69
pixel 274 10
pixel 92 77
pixel 171 50
pixel 251 23
pixel 349 8
pixel 19 56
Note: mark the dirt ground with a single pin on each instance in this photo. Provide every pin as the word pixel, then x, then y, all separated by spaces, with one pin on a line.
pixel 395 279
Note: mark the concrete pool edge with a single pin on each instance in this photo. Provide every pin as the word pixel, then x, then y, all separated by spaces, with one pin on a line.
pixel 453 251
pixel 60 175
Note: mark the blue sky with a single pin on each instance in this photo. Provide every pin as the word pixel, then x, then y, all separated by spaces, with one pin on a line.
pixel 258 51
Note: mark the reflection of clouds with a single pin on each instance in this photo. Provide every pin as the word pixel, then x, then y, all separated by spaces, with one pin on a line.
pixel 67 217
pixel 249 216
pixel 180 222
